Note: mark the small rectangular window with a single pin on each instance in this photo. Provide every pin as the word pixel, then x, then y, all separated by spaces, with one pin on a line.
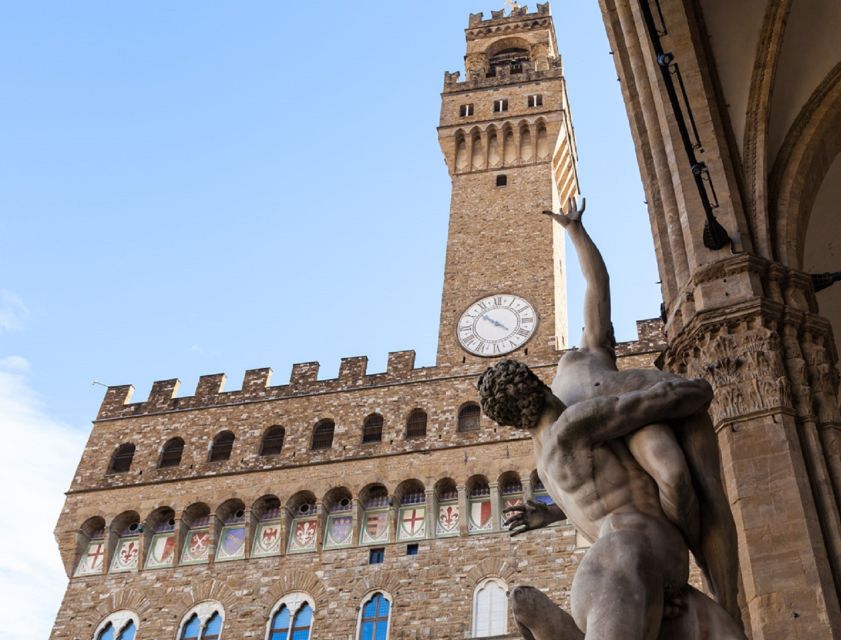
pixel 465 110
pixel 500 105
pixel 536 101
pixel 376 555
pixel 412 549
pixel 501 180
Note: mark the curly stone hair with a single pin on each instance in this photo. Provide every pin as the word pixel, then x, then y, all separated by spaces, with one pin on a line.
pixel 511 394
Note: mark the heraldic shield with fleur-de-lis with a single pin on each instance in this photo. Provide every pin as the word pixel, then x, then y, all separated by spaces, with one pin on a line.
pixel 448 519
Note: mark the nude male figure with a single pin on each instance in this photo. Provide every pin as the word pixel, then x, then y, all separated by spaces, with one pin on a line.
pixel 684 462
pixel 639 556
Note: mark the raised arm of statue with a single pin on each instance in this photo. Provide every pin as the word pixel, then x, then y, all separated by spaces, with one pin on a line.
pixel 592 422
pixel 598 331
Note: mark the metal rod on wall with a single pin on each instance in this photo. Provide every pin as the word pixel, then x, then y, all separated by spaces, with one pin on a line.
pixel 715 235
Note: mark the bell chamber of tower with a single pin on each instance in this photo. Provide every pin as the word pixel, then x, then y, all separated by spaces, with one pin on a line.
pixel 507 137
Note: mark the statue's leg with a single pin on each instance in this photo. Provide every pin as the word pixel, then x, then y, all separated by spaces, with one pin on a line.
pixel 656 449
pixel 703 619
pixel 538 618
pixel 718 531
pixel 618 589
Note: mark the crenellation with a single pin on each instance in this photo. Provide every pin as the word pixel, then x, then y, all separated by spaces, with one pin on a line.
pixel 116 397
pixel 453 82
pixel 210 385
pixel 162 393
pixel 400 363
pixel 256 381
pixel 304 373
pixel 516 13
pixel 352 370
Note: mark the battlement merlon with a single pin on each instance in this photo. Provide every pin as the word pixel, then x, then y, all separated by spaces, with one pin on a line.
pixel 516 13
pixel 210 390
pixel 303 380
pixel 508 48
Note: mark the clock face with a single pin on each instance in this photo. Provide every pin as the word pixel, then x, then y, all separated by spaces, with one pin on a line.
pixel 496 325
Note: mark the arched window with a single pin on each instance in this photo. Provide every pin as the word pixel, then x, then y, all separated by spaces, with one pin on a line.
pixel 490 609
pixel 126 551
pixel 203 622
pixel 92 547
pixel 539 493
pixel 480 508
pixel 303 529
pixel 196 519
pixel 223 443
pixel 322 435
pixel 411 515
pixel 372 429
pixel 373 621
pixel 468 417
pixel 339 529
pixel 120 625
pixel 510 494
pixel 267 530
pixel 416 424
pixel 171 453
pixel 375 521
pixel 448 516
pixel 213 629
pixel 272 441
pixel 291 618
pixel 121 460
pixel 231 543
pixel 161 550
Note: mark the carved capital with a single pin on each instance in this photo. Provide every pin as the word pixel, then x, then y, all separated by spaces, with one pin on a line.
pixel 742 360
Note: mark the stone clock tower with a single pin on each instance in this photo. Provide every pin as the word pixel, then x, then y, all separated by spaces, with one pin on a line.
pixel 507 137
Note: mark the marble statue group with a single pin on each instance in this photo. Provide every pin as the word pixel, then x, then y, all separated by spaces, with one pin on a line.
pixel 631 458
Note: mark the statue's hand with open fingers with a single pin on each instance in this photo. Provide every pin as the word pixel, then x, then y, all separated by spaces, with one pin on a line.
pixel 527 517
pixel 571 213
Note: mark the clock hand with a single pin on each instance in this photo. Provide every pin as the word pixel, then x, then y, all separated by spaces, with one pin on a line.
pixel 495 323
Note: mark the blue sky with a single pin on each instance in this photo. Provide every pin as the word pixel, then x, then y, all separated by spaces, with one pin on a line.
pixel 192 187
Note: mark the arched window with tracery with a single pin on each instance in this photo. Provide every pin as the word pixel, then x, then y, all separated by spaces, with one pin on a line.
pixel 203 622
pixel 416 424
pixel 272 443
pixel 171 453
pixel 222 446
pixel 468 417
pixel 374 617
pixel 291 618
pixel 490 609
pixel 120 625
pixel 322 435
pixel 121 460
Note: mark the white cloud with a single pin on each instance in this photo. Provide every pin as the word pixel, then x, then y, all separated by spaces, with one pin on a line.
pixel 13 313
pixel 37 462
